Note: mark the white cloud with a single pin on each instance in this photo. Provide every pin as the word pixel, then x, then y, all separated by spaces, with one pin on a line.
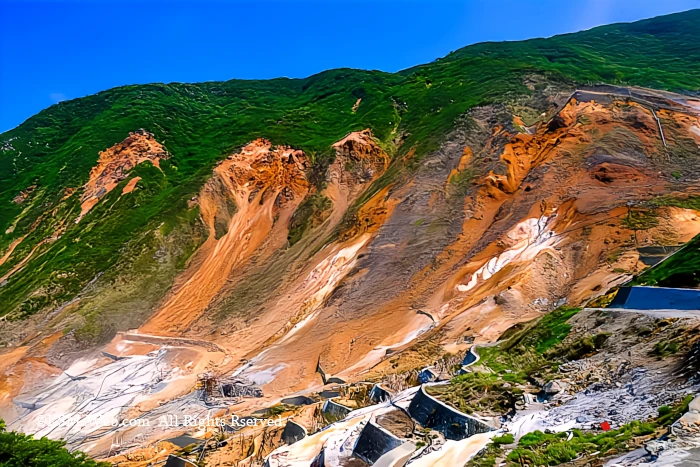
pixel 57 97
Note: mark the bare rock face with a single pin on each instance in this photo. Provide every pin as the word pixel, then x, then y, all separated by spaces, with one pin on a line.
pixel 24 194
pixel 359 158
pixel 261 170
pixel 532 218
pixel 114 165
pixel 551 388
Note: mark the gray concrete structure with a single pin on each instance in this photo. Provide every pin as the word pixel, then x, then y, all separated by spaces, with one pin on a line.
pixel 656 298
pixel 453 424
pixel 374 442
pixel 379 394
pixel 293 432
pixel 337 410
pixel 174 461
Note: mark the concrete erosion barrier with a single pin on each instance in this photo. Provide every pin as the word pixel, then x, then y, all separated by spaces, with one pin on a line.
pixel 319 460
pixel 374 442
pixel 431 413
pixel 174 461
pixel 378 394
pixel 471 357
pixel 293 432
pixel 656 298
pixel 397 457
pixel 335 409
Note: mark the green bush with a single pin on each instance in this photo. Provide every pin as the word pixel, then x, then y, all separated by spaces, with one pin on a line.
pixel 20 450
pixel 546 449
pixel 663 349
pixel 681 269
pixel 505 439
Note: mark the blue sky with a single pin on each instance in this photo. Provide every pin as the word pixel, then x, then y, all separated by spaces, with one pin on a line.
pixel 56 50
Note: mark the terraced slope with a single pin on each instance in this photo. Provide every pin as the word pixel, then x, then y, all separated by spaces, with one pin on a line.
pixel 347 221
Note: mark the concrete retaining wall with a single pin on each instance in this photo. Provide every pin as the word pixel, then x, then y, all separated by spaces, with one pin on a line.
pixel 374 442
pixel 431 413
pixel 656 298
pixel 379 394
pixel 293 432
pixel 174 461
pixel 320 460
pixel 335 409
pixel 427 375
pixel 471 357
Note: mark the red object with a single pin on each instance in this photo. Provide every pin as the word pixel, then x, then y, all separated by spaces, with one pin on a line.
pixel 605 426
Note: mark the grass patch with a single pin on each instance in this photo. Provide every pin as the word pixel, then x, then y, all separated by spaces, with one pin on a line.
pixel 680 270
pixel 526 350
pixel 545 449
pixel 690 202
pixel 311 213
pixel 640 220
pixel 278 409
pixel 523 349
pixel 547 332
pixel 476 392
pixel 580 348
pixel 20 450
pixel 663 349
pixel 505 439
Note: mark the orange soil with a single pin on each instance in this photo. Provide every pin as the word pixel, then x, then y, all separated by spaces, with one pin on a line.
pixel 541 225
pixel 571 198
pixel 261 181
pixel 284 326
pixel 115 163
pixel 11 248
pixel 463 163
pixel 22 367
pixel 599 190
pixel 585 207
pixel 266 184
pixel 130 185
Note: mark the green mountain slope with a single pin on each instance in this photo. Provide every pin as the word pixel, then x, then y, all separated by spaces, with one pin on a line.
pixel 201 124
pixel 680 270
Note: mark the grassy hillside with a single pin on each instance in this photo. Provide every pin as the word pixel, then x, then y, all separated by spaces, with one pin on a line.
pixel 199 124
pixel 680 270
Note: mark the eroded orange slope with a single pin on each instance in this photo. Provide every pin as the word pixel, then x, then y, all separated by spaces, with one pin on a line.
pixel 249 192
pixel 115 163
pixel 541 223
pixel 498 226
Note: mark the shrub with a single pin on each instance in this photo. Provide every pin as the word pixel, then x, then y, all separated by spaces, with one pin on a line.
pixel 20 450
pixel 505 439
